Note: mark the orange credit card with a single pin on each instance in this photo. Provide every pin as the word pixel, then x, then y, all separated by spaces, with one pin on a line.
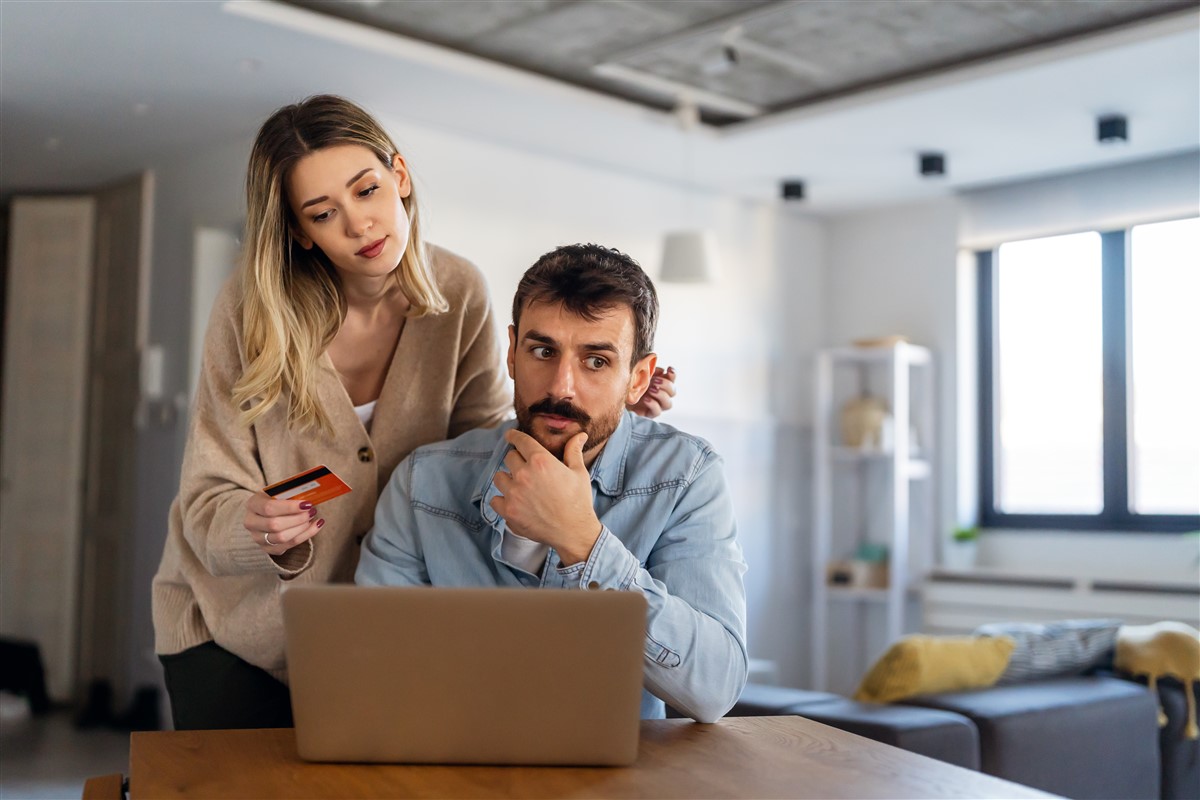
pixel 315 485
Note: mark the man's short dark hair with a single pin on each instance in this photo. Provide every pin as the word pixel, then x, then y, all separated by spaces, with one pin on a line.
pixel 589 280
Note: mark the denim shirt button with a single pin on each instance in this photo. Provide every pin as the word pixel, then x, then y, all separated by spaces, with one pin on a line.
pixel 593 586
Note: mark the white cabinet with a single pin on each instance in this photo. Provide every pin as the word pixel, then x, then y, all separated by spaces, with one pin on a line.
pixel 872 495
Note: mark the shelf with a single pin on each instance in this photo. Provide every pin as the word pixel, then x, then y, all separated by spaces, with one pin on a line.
pixel 857 594
pixel 891 503
pixel 912 353
pixel 917 467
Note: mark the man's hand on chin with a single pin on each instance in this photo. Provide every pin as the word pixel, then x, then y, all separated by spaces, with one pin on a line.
pixel 548 500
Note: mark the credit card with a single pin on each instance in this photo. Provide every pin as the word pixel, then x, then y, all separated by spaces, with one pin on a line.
pixel 315 485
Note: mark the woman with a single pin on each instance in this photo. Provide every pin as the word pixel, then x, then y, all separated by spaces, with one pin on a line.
pixel 344 341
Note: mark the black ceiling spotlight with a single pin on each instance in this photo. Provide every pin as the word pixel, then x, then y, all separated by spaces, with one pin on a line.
pixel 792 189
pixel 1112 128
pixel 931 164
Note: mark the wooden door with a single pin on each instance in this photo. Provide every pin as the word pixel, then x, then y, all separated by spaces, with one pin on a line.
pixel 106 590
pixel 42 442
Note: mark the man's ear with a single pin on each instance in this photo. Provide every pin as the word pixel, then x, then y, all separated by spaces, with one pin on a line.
pixel 639 380
pixel 403 178
pixel 512 352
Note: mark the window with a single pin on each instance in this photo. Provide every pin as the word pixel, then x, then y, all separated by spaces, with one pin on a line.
pixel 1090 380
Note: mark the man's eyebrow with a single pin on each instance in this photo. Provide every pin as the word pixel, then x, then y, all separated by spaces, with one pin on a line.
pixel 325 197
pixel 541 338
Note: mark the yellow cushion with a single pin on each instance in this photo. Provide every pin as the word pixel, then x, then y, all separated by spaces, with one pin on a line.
pixel 1159 650
pixel 928 664
pixel 1165 648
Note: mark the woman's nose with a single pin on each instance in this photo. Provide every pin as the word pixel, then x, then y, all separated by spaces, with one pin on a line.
pixel 357 223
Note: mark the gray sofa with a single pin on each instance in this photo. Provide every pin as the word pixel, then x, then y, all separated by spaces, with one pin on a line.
pixel 1081 737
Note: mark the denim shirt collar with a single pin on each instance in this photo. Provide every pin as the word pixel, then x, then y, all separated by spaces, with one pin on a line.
pixel 608 471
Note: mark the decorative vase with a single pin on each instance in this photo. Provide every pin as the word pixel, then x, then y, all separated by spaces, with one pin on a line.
pixel 863 422
pixel 959 556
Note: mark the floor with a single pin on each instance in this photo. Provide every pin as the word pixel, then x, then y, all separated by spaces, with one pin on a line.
pixel 48 758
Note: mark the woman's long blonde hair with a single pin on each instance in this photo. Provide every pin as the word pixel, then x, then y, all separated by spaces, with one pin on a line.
pixel 292 299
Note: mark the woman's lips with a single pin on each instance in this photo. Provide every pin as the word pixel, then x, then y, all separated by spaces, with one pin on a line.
pixel 373 249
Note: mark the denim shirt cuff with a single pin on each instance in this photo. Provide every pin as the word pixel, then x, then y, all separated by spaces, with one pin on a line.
pixel 610 564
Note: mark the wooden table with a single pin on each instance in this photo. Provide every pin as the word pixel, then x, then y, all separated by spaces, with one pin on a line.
pixel 759 757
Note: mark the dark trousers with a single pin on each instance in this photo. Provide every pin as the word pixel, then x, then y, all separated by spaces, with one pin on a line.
pixel 211 689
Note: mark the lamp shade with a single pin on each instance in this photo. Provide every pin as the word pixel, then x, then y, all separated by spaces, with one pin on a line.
pixel 690 257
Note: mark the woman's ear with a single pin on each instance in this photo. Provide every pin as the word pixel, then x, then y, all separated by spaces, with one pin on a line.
pixel 300 238
pixel 403 179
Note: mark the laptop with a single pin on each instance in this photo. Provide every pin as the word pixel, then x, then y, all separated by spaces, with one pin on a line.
pixel 465 676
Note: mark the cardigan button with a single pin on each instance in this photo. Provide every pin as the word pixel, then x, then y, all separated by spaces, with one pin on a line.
pixel 365 455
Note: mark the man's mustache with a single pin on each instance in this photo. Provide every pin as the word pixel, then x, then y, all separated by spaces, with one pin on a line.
pixel 560 408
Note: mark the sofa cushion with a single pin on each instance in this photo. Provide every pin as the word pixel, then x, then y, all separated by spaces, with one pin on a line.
pixel 930 732
pixel 1082 737
pixel 1180 755
pixel 921 664
pixel 1052 649
pixel 765 700
pixel 1162 650
pixel 762 700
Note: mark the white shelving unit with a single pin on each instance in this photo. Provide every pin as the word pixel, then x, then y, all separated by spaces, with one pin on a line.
pixel 883 484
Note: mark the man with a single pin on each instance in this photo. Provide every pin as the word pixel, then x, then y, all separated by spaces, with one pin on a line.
pixel 580 494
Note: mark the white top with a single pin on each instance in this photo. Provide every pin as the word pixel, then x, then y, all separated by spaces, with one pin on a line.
pixel 524 553
pixel 366 413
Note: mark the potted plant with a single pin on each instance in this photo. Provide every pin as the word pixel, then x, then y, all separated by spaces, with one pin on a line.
pixel 960 549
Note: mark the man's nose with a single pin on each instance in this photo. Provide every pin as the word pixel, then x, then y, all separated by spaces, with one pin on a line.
pixel 564 380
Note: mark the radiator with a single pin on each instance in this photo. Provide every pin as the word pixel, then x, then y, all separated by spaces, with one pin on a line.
pixel 959 602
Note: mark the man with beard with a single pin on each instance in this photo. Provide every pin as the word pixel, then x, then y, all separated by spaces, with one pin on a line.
pixel 579 493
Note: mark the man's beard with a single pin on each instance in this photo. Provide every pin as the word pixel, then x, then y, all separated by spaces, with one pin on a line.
pixel 598 429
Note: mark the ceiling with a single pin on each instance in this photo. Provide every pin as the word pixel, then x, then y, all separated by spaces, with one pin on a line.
pixel 92 91
pixel 739 59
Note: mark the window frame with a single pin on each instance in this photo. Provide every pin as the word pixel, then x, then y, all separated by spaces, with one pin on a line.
pixel 1116 514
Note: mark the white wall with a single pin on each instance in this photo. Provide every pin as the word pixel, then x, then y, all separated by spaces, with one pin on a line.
pixel 901 270
pixel 1103 199
pixel 502 208
pixel 736 344
pixel 893 271
pixel 202 189
pixel 1148 191
pixel 743 346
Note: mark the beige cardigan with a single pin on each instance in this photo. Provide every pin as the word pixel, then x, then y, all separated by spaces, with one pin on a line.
pixel 214 582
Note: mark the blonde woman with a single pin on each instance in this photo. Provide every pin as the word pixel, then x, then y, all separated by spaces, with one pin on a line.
pixel 344 341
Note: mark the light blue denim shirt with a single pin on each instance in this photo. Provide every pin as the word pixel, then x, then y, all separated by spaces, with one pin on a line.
pixel 668 532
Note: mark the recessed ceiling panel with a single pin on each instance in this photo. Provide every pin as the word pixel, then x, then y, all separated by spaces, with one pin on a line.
pixel 774 56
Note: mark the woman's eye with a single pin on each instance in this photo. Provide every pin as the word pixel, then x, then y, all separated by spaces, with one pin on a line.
pixel 595 362
pixel 324 215
pixel 370 190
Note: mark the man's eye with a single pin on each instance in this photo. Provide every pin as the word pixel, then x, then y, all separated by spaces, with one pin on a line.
pixel 541 352
pixel 595 362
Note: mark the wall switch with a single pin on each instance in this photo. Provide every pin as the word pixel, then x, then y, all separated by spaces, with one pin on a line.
pixel 152 368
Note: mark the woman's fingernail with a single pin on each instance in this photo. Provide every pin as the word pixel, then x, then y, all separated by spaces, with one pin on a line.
pixel 312 512
pixel 320 522
pixel 305 506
